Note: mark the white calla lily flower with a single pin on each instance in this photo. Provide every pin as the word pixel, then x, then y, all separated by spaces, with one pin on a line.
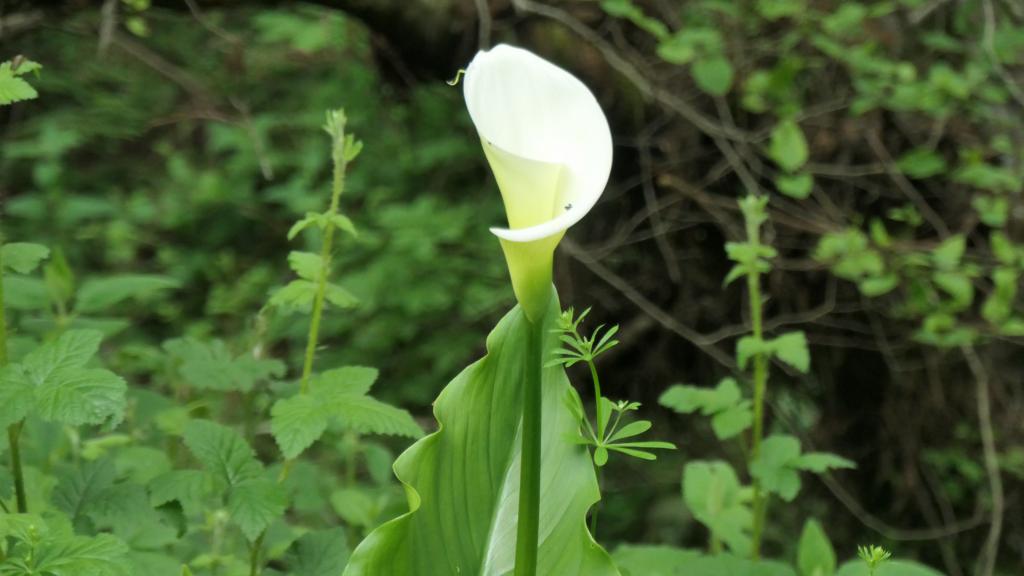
pixel 550 148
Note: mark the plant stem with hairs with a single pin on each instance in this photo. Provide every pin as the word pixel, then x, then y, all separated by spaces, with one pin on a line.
pixel 343 149
pixel 14 430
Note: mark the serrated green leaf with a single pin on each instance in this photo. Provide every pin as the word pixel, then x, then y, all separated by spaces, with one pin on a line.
pixel 12 88
pixel 356 506
pixel 297 422
pixel 773 466
pixel 81 485
pixel 368 415
pixel 187 487
pixel 22 257
pixel 748 347
pixel 78 396
pixel 732 421
pixel 103 555
pixel 713 494
pixel 254 503
pixel 16 395
pixel 211 366
pixel 322 553
pixel 688 399
pixel 306 264
pixel 222 451
pixel 791 348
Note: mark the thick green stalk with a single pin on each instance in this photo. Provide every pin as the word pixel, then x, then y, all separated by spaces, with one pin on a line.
pixel 528 528
pixel 14 430
pixel 760 388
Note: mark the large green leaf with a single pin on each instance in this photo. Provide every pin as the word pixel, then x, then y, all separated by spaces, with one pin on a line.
pixel 463 481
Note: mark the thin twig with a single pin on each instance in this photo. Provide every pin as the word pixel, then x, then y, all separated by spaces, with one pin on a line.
pixel 648 307
pixel 987 559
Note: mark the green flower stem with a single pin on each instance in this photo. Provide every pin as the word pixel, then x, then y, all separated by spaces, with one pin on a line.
pixel 14 430
pixel 597 399
pixel 528 528
pixel 760 387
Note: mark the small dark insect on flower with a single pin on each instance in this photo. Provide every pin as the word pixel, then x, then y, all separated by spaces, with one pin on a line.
pixel 568 206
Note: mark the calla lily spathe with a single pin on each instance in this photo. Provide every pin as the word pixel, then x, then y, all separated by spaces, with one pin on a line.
pixel 550 148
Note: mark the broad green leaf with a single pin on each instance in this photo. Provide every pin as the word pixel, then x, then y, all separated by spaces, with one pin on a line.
pixel 889 568
pixel 322 553
pixel 815 555
pixel 788 147
pixel 23 257
pixel 469 470
pixel 345 380
pixel 101 294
